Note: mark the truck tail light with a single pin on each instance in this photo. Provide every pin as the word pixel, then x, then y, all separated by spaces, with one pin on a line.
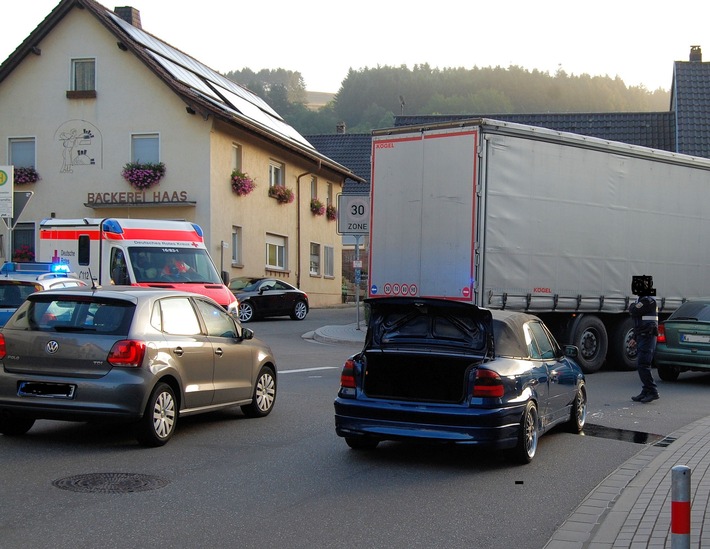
pixel 347 376
pixel 661 337
pixel 127 353
pixel 3 351
pixel 488 384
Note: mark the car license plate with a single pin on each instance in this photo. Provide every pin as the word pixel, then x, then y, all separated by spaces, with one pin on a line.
pixel 46 390
pixel 694 338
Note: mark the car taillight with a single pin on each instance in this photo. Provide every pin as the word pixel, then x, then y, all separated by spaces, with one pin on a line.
pixel 487 384
pixel 3 351
pixel 661 337
pixel 127 353
pixel 347 376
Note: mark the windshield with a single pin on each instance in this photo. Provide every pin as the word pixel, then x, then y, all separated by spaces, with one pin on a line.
pixel 183 265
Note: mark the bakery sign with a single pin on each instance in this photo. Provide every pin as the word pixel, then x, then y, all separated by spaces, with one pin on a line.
pixel 138 198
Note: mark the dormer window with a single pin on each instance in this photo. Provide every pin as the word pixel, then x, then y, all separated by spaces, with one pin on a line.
pixel 83 78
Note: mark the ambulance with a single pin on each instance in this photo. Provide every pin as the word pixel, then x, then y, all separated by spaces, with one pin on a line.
pixel 136 252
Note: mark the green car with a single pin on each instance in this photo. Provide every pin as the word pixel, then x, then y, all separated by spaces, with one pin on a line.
pixel 684 341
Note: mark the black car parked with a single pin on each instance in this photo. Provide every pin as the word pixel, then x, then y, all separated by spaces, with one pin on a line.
pixel 262 297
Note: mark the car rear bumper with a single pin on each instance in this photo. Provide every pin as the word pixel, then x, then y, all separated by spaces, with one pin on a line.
pixel 687 359
pixel 121 395
pixel 488 427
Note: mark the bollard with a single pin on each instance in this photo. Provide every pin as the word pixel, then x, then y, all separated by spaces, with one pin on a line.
pixel 680 507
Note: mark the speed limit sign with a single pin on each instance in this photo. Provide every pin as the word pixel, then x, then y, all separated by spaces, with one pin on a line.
pixel 354 214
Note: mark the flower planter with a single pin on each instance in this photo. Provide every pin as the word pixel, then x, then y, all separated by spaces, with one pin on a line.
pixel 242 184
pixel 317 207
pixel 283 195
pixel 26 175
pixel 331 213
pixel 143 176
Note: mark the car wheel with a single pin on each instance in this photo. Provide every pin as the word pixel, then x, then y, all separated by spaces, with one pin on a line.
pixel 15 426
pixel 590 337
pixel 362 443
pixel 578 414
pixel 262 401
pixel 246 312
pixel 668 373
pixel 527 435
pixel 160 417
pixel 300 310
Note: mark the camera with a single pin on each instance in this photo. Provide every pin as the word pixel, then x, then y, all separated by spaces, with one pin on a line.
pixel 642 285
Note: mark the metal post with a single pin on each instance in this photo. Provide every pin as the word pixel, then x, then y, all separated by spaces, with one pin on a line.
pixel 680 507
pixel 357 281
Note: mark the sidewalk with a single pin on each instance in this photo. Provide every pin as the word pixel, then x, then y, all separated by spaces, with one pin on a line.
pixel 631 508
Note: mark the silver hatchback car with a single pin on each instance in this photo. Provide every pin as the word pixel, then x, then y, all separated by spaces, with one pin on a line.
pixel 141 355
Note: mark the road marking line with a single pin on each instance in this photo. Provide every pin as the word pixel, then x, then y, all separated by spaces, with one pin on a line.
pixel 307 370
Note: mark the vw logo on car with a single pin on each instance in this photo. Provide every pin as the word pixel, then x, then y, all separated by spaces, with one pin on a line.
pixel 51 347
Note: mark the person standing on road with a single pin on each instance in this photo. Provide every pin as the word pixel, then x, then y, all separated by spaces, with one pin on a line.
pixel 644 313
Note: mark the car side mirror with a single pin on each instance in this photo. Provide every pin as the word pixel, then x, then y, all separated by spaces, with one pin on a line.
pixel 247 333
pixel 571 351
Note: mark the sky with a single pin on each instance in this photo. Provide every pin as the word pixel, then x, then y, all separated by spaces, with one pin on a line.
pixel 638 41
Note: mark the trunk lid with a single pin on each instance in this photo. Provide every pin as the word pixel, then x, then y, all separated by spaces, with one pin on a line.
pixel 434 325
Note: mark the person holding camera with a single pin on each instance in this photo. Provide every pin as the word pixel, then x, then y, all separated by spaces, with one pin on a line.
pixel 644 313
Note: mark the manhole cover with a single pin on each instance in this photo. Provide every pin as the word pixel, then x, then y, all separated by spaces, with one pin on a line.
pixel 111 483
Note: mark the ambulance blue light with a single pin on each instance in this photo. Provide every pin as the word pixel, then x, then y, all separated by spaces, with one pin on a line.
pixel 198 229
pixel 60 268
pixel 111 226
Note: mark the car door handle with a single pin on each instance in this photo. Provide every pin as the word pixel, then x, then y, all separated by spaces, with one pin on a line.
pixel 218 351
pixel 178 351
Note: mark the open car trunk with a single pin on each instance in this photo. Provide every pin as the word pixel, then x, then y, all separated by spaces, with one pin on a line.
pixel 423 349
pixel 417 377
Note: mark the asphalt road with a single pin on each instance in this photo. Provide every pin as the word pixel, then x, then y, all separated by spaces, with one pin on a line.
pixel 288 481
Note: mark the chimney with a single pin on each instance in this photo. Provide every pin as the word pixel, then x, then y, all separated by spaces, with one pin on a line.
pixel 130 15
pixel 696 54
pixel 340 127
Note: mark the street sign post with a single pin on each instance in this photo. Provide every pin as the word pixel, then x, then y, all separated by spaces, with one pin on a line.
pixel 354 220
pixel 354 214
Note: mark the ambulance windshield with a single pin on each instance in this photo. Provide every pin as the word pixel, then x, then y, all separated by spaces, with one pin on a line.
pixel 172 265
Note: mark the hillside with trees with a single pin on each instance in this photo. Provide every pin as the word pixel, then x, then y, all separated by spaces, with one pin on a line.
pixel 370 98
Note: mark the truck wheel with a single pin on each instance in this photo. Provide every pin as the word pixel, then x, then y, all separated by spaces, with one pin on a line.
pixel 622 354
pixel 589 335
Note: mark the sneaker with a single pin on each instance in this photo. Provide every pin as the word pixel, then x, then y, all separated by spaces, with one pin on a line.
pixel 649 397
pixel 639 397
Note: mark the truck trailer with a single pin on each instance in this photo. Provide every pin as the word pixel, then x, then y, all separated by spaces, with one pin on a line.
pixel 507 216
pixel 137 252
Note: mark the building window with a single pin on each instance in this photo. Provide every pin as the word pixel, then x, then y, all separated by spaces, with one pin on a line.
pixel 275 252
pixel 145 148
pixel 236 157
pixel 276 174
pixel 83 74
pixel 236 245
pixel 23 236
pixel 329 198
pixel 314 186
pixel 328 261
pixel 22 152
pixel 315 259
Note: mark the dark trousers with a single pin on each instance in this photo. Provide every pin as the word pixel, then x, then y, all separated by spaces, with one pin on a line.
pixel 646 347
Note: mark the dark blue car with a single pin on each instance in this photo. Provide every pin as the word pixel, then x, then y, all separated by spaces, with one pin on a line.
pixel 452 372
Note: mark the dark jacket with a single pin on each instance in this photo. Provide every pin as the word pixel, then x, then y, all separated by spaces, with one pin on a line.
pixel 644 311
